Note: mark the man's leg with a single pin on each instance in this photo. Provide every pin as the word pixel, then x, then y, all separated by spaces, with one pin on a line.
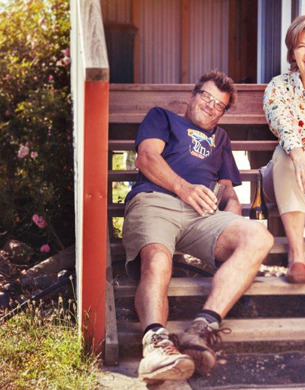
pixel 161 359
pixel 151 297
pixel 241 247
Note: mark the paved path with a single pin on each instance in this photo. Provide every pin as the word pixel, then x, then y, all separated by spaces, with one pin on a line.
pixel 235 371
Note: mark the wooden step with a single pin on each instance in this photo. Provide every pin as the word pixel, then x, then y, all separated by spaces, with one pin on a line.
pixel 280 246
pixel 243 330
pixel 129 103
pixel 117 210
pixel 131 175
pixel 201 286
pixel 260 145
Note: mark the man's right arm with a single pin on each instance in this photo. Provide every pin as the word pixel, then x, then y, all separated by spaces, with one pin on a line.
pixel 155 168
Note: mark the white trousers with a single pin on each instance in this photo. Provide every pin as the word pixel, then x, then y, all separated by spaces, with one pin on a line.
pixel 280 185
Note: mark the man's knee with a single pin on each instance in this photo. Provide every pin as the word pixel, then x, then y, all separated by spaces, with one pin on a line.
pixel 156 259
pixel 244 235
pixel 256 238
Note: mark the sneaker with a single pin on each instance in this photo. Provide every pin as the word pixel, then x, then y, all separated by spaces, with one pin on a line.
pixel 162 360
pixel 199 342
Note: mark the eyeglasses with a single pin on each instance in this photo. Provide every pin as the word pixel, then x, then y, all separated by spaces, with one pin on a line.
pixel 207 97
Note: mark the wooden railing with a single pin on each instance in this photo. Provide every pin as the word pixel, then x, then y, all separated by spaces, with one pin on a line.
pixel 90 92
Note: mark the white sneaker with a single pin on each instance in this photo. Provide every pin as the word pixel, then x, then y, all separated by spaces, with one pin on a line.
pixel 162 360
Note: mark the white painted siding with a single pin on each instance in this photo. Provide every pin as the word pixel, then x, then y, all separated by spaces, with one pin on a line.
pixel 159 41
pixel 119 11
pixel 208 37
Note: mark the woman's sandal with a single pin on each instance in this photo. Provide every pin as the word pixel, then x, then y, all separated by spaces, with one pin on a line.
pixel 296 273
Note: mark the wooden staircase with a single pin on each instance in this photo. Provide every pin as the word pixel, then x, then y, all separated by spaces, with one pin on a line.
pixel 247 128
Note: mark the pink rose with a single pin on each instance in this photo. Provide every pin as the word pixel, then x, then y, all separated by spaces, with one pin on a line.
pixel 23 151
pixel 66 52
pixel 51 77
pixel 34 155
pixel 66 60
pixel 45 248
pixel 39 221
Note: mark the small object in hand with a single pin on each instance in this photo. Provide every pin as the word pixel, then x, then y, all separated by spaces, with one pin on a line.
pixel 218 190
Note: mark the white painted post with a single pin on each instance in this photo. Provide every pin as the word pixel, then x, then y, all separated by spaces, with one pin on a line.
pixel 286 21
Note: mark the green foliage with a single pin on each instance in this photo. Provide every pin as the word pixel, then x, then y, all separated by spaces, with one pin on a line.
pixel 119 190
pixel 36 154
pixel 40 351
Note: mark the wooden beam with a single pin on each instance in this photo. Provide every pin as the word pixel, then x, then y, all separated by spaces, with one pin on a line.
pixel 92 36
pixel 95 212
pixel 130 175
pixel 243 330
pixel 280 246
pixel 201 286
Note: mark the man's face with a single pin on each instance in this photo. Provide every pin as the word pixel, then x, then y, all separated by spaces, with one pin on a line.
pixel 204 113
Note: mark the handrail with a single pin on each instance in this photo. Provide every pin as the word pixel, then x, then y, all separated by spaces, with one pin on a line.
pixel 92 39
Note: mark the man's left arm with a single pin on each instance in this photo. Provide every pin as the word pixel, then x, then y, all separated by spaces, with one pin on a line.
pixel 229 200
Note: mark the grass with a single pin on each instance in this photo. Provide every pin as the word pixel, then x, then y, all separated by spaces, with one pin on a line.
pixel 41 349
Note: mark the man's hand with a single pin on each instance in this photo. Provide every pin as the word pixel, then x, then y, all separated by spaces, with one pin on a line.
pixel 297 156
pixel 199 197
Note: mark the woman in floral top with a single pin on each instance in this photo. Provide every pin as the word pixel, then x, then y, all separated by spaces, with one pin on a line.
pixel 284 176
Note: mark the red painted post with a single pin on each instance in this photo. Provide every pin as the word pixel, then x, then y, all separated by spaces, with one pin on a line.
pixel 96 102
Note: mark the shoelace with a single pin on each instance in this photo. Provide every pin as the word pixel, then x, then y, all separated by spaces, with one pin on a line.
pixel 212 336
pixel 165 343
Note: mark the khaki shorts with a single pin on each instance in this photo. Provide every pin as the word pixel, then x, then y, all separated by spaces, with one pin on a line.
pixel 160 218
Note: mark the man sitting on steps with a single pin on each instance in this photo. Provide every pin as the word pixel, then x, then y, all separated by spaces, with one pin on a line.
pixel 170 208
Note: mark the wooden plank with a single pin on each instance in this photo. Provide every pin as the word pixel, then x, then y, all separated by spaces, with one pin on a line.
pixel 243 330
pixel 201 286
pixel 111 333
pixel 261 145
pixel 280 246
pixel 129 103
pixel 93 43
pixel 131 175
pixel 126 116
pixel 241 88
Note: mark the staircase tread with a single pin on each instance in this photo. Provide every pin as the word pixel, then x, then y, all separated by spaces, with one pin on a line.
pixel 243 330
pixel 192 286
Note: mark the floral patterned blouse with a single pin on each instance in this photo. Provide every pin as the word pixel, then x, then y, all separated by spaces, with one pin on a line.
pixel 284 106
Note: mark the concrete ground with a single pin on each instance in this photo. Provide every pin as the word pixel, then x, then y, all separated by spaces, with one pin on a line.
pixel 234 371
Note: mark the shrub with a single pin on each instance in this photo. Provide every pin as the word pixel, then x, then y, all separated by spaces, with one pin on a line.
pixel 36 154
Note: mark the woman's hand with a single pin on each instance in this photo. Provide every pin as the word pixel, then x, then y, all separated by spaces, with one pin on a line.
pixel 297 156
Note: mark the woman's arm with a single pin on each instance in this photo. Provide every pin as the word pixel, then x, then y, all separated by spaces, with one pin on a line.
pixel 280 114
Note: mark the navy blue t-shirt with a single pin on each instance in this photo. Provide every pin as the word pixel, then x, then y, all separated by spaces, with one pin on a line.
pixel 199 156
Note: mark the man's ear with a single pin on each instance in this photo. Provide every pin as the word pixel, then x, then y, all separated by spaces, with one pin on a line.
pixel 189 98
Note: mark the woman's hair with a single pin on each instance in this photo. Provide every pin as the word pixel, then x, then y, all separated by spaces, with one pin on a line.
pixel 292 38
pixel 222 82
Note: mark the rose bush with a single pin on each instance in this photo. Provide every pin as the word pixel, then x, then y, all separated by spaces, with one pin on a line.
pixel 36 153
